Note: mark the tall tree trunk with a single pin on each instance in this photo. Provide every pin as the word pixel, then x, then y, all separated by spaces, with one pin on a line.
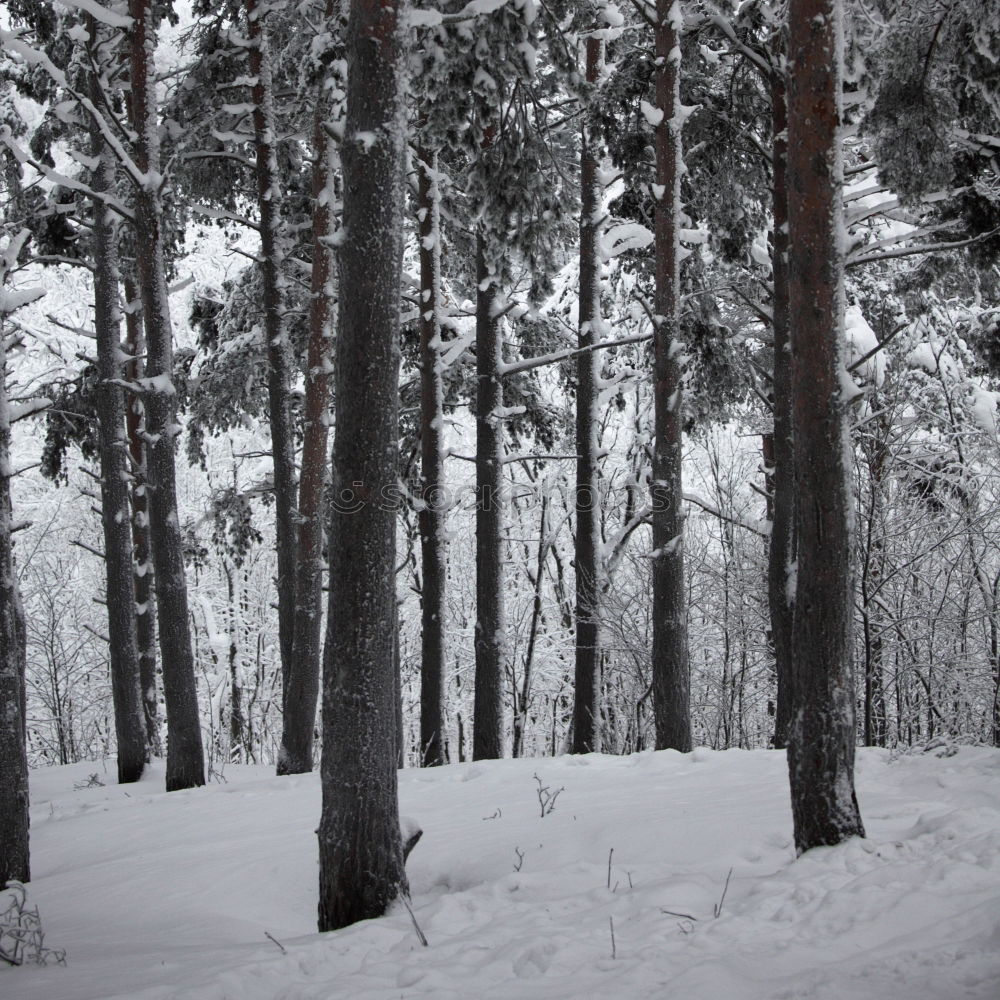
pixel 145 596
pixel 432 511
pixel 360 847
pixel 123 647
pixel 303 679
pixel 821 741
pixel 671 669
pixel 521 706
pixel 185 756
pixel 487 722
pixel 587 702
pixel 781 552
pixel 14 861
pixel 279 359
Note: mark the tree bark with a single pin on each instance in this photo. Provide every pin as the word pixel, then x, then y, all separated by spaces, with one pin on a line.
pixel 14 854
pixel 185 756
pixel 303 679
pixel 279 359
pixel 671 669
pixel 587 686
pixel 432 512
pixel 821 743
pixel 145 596
pixel 360 846
pixel 781 552
pixel 487 722
pixel 123 648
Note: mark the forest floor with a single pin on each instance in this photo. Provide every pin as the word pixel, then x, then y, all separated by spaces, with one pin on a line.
pixel 171 896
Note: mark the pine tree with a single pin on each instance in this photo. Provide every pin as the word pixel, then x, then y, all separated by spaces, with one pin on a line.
pixel 671 670
pixel 360 846
pixel 185 757
pixel 821 740
pixel 130 724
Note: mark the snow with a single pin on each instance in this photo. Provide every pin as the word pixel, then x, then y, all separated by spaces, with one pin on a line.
pixel 652 115
pixel 171 896
pixel 860 339
pixel 623 238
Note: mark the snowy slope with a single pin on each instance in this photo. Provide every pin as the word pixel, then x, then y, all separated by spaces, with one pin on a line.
pixel 157 896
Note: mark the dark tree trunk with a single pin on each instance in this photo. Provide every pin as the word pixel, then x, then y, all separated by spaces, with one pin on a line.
pixel 123 648
pixel 821 741
pixel 14 863
pixel 521 705
pixel 279 360
pixel 360 846
pixel 781 553
pixel 302 687
pixel 145 597
pixel 487 721
pixel 433 509
pixel 671 670
pixel 587 702
pixel 185 756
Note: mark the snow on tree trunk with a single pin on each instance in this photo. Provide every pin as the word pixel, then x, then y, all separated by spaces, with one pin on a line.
pixel 487 721
pixel 130 728
pixel 360 846
pixel 821 741
pixel 279 361
pixel 432 512
pixel 185 756
pixel 145 596
pixel 587 702
pixel 14 860
pixel 302 688
pixel 671 670
pixel 781 551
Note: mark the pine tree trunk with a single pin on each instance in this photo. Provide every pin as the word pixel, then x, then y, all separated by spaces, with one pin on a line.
pixel 821 741
pixel 487 722
pixel 671 670
pixel 360 846
pixel 303 678
pixel 14 857
pixel 130 728
pixel 185 756
pixel 279 360
pixel 432 512
pixel 781 552
pixel 145 596
pixel 587 686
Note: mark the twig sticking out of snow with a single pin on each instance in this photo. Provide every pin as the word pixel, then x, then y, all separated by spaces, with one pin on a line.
pixel 611 921
pixel 546 797
pixel 722 899
pixel 271 937
pixel 416 926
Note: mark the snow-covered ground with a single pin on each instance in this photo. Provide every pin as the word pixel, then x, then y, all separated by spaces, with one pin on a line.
pixel 155 895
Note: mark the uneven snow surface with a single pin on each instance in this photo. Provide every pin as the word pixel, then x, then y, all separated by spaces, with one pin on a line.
pixel 156 896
